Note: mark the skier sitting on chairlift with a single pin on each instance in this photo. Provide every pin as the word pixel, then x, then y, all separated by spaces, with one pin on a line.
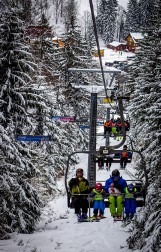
pixel 109 160
pixel 124 157
pixel 100 162
pixel 130 201
pixel 107 127
pixel 79 186
pixel 98 197
pixel 116 201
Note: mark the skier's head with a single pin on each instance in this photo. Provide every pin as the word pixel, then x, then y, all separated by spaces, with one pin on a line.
pixel 79 172
pixel 98 186
pixel 130 188
pixel 125 147
pixel 115 175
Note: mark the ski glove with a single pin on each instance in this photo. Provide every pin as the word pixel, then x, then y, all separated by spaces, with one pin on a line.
pixel 119 187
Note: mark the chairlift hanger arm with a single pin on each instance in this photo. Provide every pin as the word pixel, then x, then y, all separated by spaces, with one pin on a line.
pixel 113 76
pixel 120 105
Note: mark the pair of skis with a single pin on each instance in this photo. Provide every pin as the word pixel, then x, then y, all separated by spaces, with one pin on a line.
pixel 116 218
pixel 91 219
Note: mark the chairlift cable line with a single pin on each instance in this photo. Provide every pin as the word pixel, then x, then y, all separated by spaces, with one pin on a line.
pixel 98 46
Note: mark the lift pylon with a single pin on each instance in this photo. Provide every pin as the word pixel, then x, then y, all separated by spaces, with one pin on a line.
pixel 93 118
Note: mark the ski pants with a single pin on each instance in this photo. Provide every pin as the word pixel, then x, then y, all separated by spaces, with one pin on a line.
pixel 107 129
pixel 116 202
pixel 130 206
pixel 123 162
pixel 100 162
pixel 99 205
pixel 109 161
pixel 80 202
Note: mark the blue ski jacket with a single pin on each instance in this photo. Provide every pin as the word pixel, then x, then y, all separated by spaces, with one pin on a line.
pixel 120 184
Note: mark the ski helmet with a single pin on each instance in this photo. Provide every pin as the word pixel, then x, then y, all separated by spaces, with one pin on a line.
pixel 98 186
pixel 115 173
pixel 130 187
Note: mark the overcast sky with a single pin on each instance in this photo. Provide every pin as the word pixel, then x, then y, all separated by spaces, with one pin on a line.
pixel 123 3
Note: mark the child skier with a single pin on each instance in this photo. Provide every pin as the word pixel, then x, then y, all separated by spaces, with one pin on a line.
pixel 130 201
pixel 98 197
pixel 113 191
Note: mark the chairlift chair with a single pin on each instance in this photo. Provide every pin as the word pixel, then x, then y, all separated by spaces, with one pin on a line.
pixel 140 199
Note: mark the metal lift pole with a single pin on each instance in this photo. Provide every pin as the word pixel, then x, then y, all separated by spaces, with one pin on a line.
pixel 107 141
pixel 92 140
pixel 93 118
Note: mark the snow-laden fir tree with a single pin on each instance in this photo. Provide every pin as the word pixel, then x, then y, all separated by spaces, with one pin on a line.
pixel 99 18
pixel 132 18
pixel 146 13
pixel 145 114
pixel 106 19
pixel 120 22
pixel 50 160
pixel 89 32
pixel 75 53
pixel 20 205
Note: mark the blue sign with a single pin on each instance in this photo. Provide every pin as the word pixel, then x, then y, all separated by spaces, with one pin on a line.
pixel 84 126
pixel 32 138
pixel 55 118
pixel 100 123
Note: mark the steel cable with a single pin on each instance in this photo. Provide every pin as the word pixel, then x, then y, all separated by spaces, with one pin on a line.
pixel 98 46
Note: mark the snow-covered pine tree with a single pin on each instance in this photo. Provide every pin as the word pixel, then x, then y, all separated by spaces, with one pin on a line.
pixel 20 205
pixel 146 13
pixel 145 113
pixel 26 9
pixel 120 22
pixel 65 136
pixel 106 19
pixel 100 14
pixel 75 53
pixel 89 32
pixel 132 17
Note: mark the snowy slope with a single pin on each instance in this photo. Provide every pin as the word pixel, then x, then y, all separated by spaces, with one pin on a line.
pixel 58 228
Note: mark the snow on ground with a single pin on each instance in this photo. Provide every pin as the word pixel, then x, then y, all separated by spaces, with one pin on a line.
pixel 111 55
pixel 58 228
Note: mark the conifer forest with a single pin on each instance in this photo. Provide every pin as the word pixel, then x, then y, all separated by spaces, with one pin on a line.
pixel 35 85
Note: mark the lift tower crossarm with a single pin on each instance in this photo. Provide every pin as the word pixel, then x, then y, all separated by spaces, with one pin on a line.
pixel 92 70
